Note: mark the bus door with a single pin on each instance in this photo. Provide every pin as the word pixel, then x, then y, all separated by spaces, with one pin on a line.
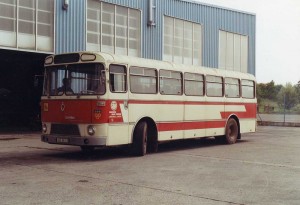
pixel 118 100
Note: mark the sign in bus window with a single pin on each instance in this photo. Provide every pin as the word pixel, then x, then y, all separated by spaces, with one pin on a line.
pixel 117 78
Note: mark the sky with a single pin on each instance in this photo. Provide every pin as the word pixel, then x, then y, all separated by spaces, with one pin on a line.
pixel 277 37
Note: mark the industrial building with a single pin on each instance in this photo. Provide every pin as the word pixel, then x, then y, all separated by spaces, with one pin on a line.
pixel 179 31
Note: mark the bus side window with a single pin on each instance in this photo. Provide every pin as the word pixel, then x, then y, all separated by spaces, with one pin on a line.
pixel 248 89
pixel 170 82
pixel 118 78
pixel 214 86
pixel 232 87
pixel 194 84
pixel 143 80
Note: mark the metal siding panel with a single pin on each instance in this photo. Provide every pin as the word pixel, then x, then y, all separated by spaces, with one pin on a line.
pixel 70 27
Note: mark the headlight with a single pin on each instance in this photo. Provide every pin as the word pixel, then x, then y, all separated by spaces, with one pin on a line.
pixel 91 130
pixel 44 128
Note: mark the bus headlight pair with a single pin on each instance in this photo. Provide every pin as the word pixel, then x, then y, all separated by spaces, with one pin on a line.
pixel 91 130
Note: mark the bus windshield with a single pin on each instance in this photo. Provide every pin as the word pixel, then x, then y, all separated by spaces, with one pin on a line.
pixel 75 79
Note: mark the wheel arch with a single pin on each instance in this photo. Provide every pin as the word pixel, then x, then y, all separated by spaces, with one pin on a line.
pixel 152 127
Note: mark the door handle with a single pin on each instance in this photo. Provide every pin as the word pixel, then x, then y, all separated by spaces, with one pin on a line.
pixel 126 104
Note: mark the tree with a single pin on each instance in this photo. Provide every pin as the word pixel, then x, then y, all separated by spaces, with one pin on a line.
pixel 287 95
pixel 268 90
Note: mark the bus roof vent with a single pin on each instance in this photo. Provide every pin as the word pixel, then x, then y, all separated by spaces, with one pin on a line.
pixel 67 58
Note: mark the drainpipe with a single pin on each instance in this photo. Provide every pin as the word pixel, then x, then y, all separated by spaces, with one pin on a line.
pixel 151 21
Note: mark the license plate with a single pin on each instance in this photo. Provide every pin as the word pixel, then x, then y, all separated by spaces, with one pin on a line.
pixel 62 140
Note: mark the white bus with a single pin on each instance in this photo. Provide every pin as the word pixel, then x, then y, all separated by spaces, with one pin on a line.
pixel 97 99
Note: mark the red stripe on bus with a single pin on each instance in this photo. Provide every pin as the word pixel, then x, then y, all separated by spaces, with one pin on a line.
pixel 154 102
pixel 189 125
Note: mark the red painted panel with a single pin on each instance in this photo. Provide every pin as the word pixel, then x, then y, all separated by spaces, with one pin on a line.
pixel 189 125
pixel 66 111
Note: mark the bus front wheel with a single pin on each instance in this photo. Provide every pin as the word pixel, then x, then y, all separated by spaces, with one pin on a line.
pixel 140 139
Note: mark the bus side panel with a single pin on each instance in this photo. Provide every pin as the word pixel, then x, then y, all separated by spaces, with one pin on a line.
pixel 164 113
pixel 118 129
pixel 247 125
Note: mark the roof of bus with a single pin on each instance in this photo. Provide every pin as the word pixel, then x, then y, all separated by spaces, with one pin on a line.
pixel 149 63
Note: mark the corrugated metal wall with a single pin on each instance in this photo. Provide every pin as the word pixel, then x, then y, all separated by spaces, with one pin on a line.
pixel 71 27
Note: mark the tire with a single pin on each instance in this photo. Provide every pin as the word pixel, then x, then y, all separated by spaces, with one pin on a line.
pixel 140 139
pixel 231 131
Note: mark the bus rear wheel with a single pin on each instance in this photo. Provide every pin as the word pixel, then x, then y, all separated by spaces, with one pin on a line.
pixel 140 139
pixel 231 132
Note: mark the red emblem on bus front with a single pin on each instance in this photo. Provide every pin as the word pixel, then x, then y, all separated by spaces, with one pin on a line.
pixel 62 106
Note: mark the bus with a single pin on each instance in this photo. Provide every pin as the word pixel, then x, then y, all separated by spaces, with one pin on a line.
pixel 94 99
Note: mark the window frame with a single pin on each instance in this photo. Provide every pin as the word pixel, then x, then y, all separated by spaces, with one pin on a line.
pixel 203 83
pixel 144 76
pixel 129 29
pixel 195 59
pixel 254 88
pixel 125 78
pixel 165 77
pixel 238 85
pixel 222 84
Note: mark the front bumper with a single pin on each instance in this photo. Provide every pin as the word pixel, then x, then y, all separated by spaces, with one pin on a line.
pixel 74 140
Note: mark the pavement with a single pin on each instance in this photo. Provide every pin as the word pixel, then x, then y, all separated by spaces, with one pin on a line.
pixel 262 168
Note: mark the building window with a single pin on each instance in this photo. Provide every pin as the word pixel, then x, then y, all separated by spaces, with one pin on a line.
pixel 114 29
pixel 182 41
pixel 27 24
pixel 233 51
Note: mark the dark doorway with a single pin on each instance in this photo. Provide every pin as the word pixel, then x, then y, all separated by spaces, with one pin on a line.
pixel 20 91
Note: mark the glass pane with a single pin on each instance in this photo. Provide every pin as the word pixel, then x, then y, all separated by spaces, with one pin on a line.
pixel 45 30
pixel 214 89
pixel 117 78
pixel 7 24
pixel 80 79
pixel 7 11
pixel 141 84
pixel 247 92
pixel 26 27
pixel 169 86
pixel 27 3
pixel 27 14
pixel 194 88
pixel 46 5
pixel 232 90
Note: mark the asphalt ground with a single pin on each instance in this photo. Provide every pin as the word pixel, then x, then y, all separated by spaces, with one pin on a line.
pixel 262 168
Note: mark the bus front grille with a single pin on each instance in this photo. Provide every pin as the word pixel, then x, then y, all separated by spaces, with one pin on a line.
pixel 65 129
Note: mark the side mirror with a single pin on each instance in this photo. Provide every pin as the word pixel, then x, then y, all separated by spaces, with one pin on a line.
pixel 36 80
pixel 102 79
